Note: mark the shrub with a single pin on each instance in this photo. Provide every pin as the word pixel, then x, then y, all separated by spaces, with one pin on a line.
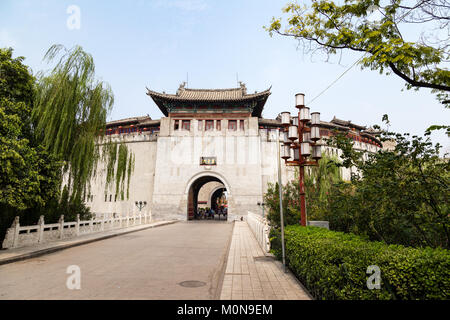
pixel 398 196
pixel 333 265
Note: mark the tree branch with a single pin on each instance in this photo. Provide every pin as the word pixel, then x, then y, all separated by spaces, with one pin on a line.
pixel 415 83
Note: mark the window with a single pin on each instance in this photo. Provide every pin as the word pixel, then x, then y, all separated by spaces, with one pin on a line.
pixel 176 126
pixel 110 197
pixel 115 198
pixel 218 125
pixel 209 125
pixel 186 125
pixel 232 125
pixel 241 125
pixel 106 197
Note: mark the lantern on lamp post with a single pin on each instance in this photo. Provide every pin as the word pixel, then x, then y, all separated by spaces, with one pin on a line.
pixel 140 205
pixel 300 143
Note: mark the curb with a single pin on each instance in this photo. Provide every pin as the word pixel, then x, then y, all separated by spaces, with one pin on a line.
pixel 220 274
pixel 38 253
pixel 291 274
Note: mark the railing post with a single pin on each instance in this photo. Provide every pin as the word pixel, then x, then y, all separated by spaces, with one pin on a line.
pixel 16 232
pixel 61 227
pixel 266 235
pixel 114 221
pixel 128 220
pixel 41 229
pixel 91 225
pixel 102 224
pixel 140 218
pixel 77 226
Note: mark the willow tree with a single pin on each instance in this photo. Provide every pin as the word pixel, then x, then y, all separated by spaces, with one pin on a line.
pixel 319 182
pixel 70 111
pixel 119 165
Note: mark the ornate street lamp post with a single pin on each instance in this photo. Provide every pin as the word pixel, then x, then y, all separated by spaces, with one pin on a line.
pixel 262 205
pixel 140 205
pixel 300 144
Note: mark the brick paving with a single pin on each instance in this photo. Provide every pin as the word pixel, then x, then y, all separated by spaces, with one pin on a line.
pixel 251 275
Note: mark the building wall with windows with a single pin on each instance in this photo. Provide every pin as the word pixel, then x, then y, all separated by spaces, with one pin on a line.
pixel 220 141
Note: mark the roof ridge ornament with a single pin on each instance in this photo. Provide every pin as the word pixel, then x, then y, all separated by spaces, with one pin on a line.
pixel 243 87
pixel 181 88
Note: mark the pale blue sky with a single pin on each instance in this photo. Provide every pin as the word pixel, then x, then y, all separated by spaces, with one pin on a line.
pixel 156 43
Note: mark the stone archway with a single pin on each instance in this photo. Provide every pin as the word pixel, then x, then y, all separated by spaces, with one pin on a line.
pixel 194 186
pixel 215 194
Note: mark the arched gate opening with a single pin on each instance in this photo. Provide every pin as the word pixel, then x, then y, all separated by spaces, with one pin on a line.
pixel 216 208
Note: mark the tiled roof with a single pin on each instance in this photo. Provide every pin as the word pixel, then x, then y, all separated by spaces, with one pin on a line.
pixel 333 125
pixel 373 131
pixel 347 123
pixel 128 120
pixel 232 94
pixel 184 94
pixel 270 122
pixel 212 94
pixel 139 121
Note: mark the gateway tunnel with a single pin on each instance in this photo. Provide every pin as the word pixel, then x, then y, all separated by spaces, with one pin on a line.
pixel 207 199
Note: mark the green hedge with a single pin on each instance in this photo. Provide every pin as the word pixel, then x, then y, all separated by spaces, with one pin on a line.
pixel 333 265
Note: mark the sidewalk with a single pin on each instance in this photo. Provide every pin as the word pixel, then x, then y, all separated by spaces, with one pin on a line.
pixel 13 255
pixel 250 275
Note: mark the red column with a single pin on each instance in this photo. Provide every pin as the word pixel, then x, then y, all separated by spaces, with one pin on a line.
pixel 301 127
pixel 302 197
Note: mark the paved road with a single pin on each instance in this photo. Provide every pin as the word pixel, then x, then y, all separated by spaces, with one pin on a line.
pixel 147 264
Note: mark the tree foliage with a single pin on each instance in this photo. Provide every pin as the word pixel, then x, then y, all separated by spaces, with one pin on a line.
pixel 29 175
pixel 291 208
pixel 16 81
pixel 318 184
pixel 119 167
pixel 396 196
pixel 27 172
pixel 71 110
pixel 49 129
pixel 385 41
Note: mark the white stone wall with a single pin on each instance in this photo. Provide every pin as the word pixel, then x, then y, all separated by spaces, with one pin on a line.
pixel 143 146
pixel 238 166
pixel 168 163
pixel 269 164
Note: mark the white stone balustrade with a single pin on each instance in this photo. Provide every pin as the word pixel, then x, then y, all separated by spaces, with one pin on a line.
pixel 260 228
pixel 21 236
